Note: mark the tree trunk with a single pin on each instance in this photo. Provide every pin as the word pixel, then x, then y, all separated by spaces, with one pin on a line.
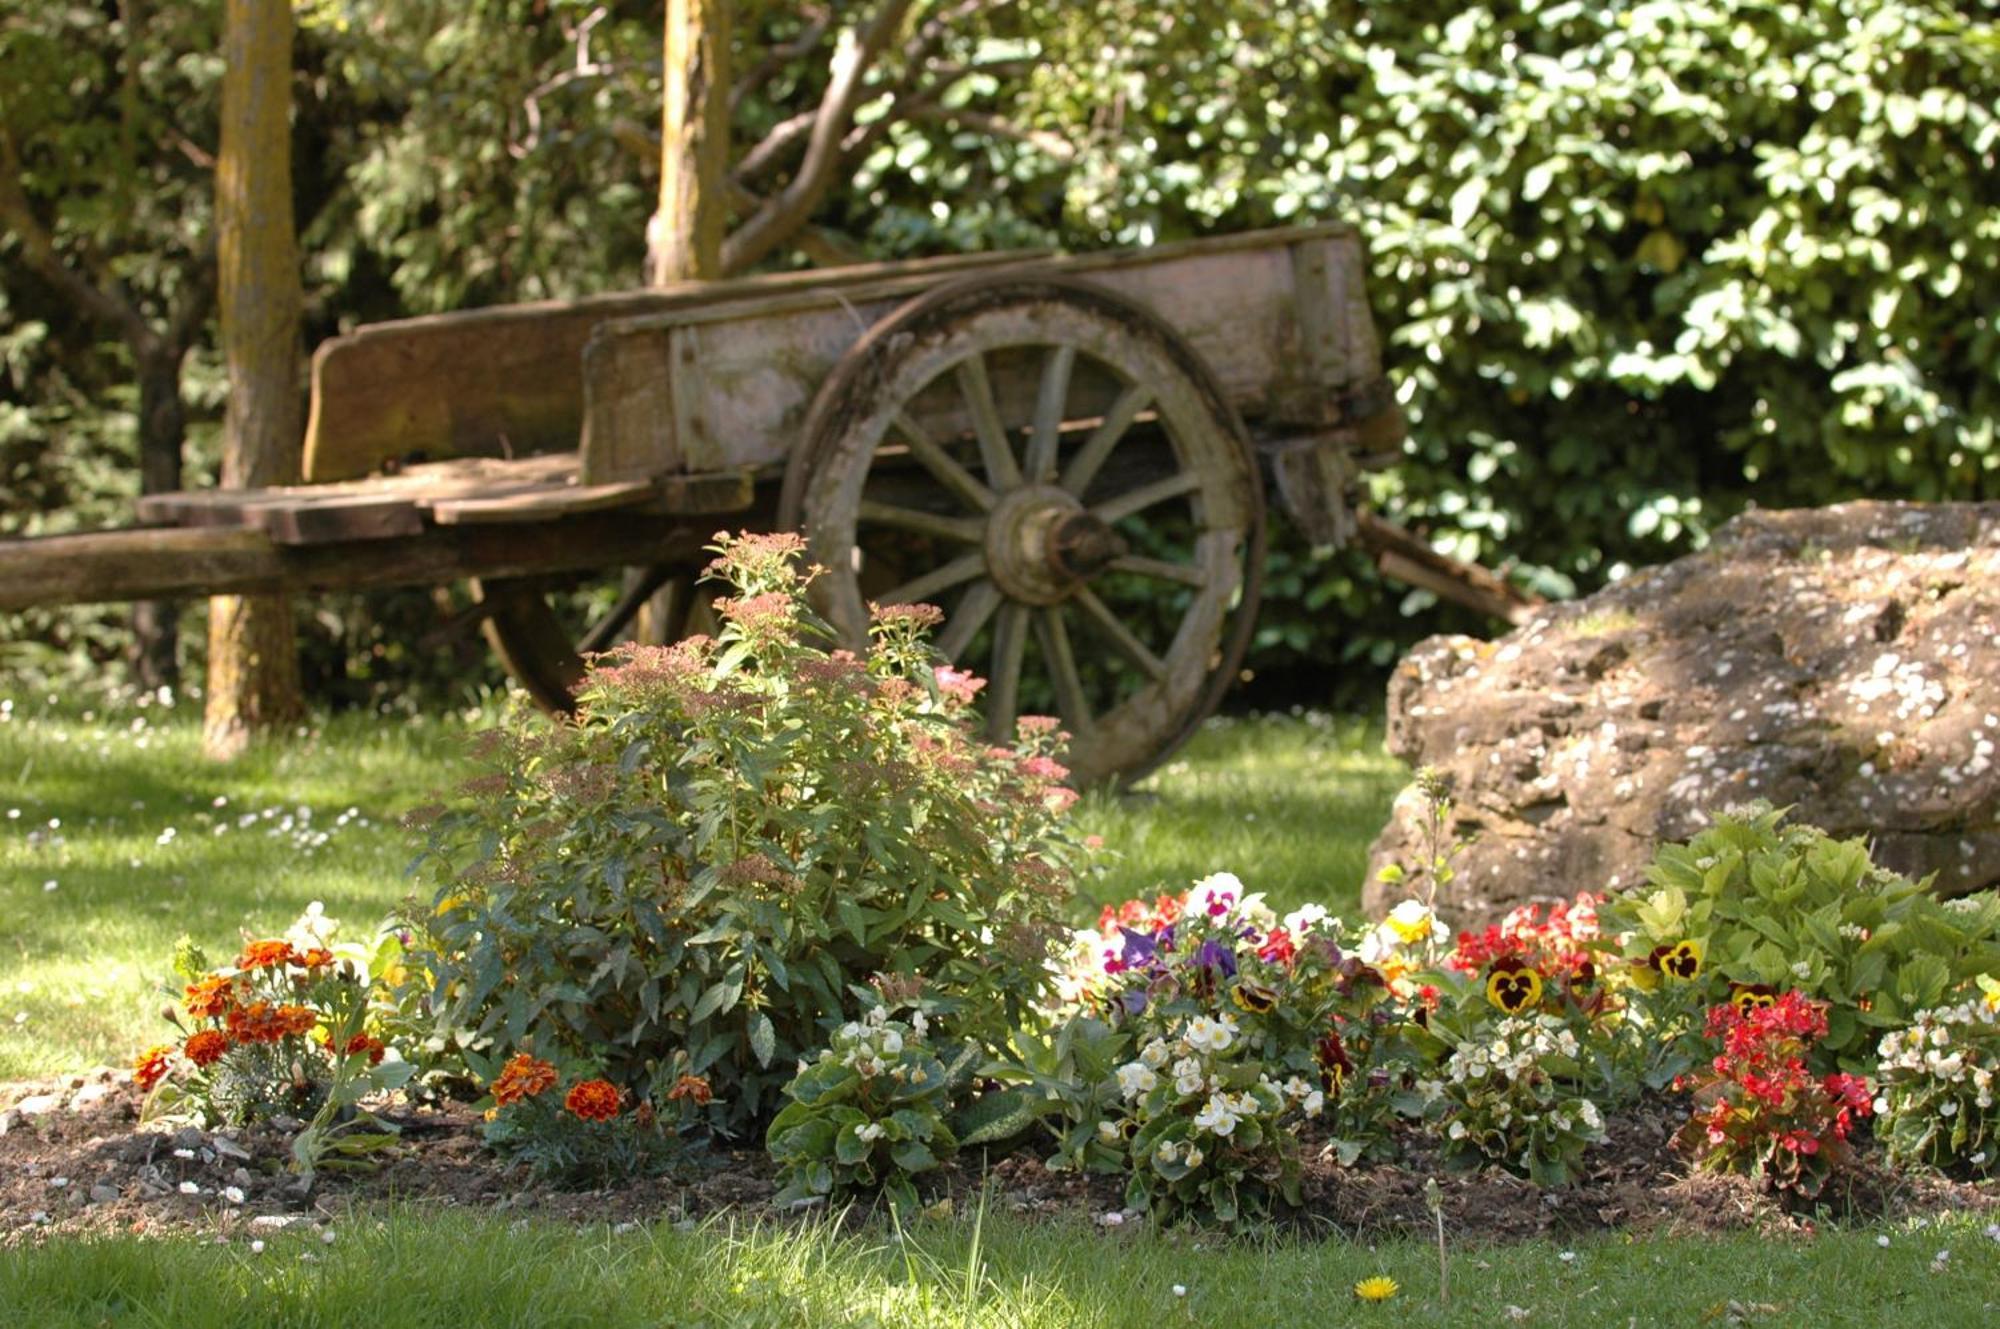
pixel 253 667
pixel 162 425
pixel 684 238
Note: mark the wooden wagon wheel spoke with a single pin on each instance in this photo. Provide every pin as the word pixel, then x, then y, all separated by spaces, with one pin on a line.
pixel 1120 636
pixel 638 590
pixel 1090 458
pixel 943 466
pixel 916 521
pixel 1010 646
pixel 1166 600
pixel 1071 704
pixel 995 453
pixel 1159 570
pixel 974 608
pixel 1040 465
pixel 1146 496
pixel 960 570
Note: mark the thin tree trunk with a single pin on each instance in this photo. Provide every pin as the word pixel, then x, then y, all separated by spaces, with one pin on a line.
pixel 162 426
pixel 253 667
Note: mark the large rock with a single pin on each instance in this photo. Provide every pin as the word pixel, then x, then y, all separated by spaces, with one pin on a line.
pixel 1845 661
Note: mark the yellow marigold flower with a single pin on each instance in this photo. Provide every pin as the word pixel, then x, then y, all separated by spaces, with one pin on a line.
pixel 1379 1288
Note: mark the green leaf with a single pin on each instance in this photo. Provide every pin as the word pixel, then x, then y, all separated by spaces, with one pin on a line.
pixel 763 1038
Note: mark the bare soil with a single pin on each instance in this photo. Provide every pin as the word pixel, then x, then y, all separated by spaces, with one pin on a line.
pixel 74 1158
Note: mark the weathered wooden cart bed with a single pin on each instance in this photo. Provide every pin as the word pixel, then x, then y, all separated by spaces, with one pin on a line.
pixel 1066 453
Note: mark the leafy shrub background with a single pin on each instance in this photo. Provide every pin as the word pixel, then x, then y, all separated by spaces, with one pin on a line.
pixel 1637 262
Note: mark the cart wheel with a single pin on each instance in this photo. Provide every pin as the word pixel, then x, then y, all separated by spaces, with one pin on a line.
pixel 541 630
pixel 1106 570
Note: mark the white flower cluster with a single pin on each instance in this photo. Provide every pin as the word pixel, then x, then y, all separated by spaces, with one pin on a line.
pixel 1516 1049
pixel 873 1046
pixel 1941 1045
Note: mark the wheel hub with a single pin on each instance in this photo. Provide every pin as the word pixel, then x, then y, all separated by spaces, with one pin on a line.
pixel 1041 543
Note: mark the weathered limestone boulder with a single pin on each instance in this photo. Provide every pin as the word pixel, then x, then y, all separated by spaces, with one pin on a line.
pixel 1845 661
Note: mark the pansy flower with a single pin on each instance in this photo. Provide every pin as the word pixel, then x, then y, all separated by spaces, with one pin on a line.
pixel 1748 997
pixel 1682 960
pixel 1253 997
pixel 1513 986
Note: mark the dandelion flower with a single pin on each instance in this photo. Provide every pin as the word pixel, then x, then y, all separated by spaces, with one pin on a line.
pixel 1379 1288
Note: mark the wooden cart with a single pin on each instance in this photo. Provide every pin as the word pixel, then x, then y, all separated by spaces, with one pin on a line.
pixel 1041 445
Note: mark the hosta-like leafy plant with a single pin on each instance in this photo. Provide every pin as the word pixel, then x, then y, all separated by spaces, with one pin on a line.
pixel 1790 907
pixel 732 838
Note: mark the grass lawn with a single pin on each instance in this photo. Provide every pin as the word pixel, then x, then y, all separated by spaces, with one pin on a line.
pixel 151 842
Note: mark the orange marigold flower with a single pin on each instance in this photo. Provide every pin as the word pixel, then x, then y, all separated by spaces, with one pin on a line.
pixel 266 954
pixel 211 997
pixel 319 957
pixel 695 1088
pixel 261 1022
pixel 151 1067
pixel 206 1048
pixel 522 1077
pixel 593 1100
pixel 359 1044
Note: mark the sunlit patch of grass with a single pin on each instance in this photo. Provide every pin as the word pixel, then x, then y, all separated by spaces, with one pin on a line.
pixel 1287 803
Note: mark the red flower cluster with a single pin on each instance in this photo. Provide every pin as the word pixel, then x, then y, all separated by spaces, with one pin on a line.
pixel 1139 916
pixel 1556 946
pixel 151 1067
pixel 266 954
pixel 1761 1109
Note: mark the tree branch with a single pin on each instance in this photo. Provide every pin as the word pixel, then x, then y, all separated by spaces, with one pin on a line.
pixel 38 249
pixel 779 56
pixel 788 209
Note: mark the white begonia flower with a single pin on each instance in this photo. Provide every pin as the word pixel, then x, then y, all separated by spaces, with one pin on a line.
pixel 870 1132
pixel 1194 1157
pixel 919 1025
pixel 1168 1151
pixel 891 1042
pixel 1206 1035
pixel 1314 1103
pixel 1136 1078
pixel 1216 1116
pixel 1154 1054
pixel 1456 1130
pixel 1107 1131
pixel 1591 1116
pixel 1188 1083
pixel 1297 1088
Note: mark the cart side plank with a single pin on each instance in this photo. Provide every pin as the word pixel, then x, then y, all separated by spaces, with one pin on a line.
pixel 169 563
pixel 504 381
pixel 730 383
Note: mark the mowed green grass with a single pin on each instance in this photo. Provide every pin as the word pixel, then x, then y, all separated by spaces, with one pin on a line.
pixel 145 841
pixel 411 1267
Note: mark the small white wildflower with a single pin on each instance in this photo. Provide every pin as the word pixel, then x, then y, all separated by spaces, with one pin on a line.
pixel 1883 1241
pixel 1112 1219
pixel 233 1194
pixel 257 1247
pixel 1180 1289
pixel 189 1188
pixel 326 1236
pixel 1567 1257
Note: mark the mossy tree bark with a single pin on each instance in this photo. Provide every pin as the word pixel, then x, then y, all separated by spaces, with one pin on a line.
pixel 684 239
pixel 253 670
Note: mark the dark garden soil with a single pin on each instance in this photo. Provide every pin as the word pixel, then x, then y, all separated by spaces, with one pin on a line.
pixel 74 1157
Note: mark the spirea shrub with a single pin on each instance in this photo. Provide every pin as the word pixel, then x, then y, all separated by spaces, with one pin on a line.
pixel 734 836
pixel 1937 1100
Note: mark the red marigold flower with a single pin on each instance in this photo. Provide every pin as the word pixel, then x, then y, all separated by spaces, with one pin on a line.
pixel 694 1088
pixel 210 998
pixel 319 957
pixel 266 955
pixel 296 1020
pixel 206 1048
pixel 522 1077
pixel 151 1067
pixel 593 1100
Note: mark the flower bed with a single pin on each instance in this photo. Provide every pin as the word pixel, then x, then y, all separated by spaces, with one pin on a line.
pixel 763 888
